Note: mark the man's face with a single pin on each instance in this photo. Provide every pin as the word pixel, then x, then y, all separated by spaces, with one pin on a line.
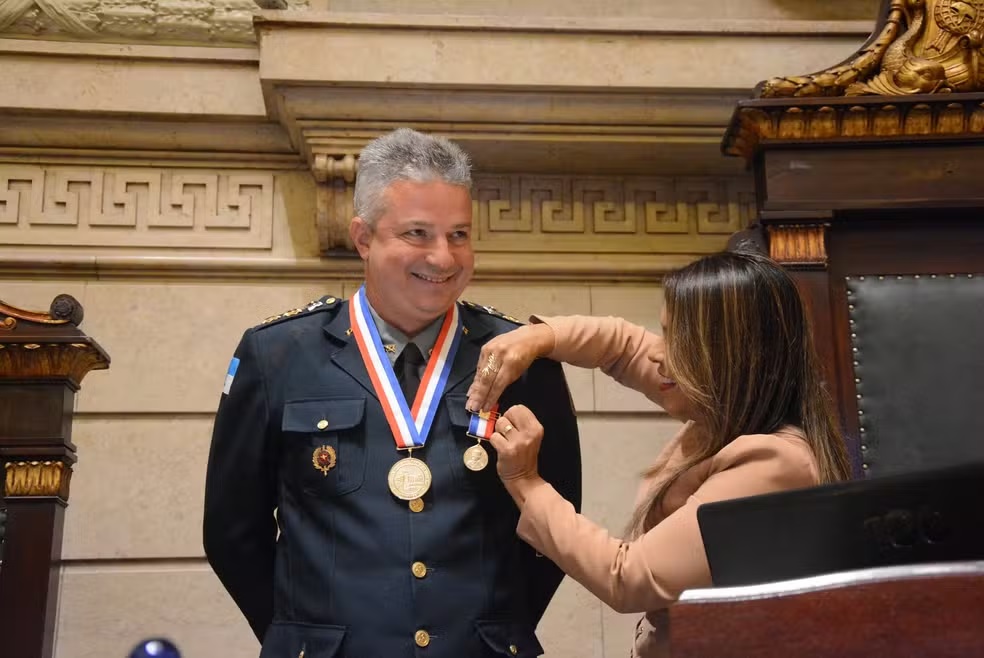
pixel 419 256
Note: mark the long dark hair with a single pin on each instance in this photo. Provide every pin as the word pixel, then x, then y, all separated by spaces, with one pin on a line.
pixel 740 348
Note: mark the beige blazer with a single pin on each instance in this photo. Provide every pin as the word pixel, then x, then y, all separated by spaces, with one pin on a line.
pixel 649 573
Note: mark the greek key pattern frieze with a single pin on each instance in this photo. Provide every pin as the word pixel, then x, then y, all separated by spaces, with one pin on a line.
pixel 626 213
pixel 135 207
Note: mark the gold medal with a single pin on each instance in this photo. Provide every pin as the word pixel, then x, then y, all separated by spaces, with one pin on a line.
pixel 409 478
pixel 476 458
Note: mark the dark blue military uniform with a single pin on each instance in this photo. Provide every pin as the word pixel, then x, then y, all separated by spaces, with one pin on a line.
pixel 356 572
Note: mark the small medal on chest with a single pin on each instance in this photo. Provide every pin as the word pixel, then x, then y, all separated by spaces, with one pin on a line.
pixel 481 426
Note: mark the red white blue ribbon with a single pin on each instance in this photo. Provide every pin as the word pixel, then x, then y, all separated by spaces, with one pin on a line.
pixel 410 423
pixel 482 423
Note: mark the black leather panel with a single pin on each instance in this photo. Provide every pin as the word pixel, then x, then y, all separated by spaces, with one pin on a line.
pixel 918 346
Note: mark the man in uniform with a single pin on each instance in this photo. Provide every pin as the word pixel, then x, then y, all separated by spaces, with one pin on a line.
pixel 350 510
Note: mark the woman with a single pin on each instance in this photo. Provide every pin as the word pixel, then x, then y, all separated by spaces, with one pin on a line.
pixel 737 363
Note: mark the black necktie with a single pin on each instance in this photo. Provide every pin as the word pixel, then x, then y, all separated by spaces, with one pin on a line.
pixel 407 369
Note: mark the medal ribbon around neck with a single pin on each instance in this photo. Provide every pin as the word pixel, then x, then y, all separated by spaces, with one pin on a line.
pixel 410 426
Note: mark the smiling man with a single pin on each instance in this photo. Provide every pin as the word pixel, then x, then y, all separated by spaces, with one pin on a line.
pixel 350 510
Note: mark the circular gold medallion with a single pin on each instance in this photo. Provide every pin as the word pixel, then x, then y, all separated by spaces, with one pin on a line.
pixel 476 458
pixel 409 478
pixel 416 505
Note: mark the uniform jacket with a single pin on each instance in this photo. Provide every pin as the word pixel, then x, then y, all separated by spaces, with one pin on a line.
pixel 649 573
pixel 334 572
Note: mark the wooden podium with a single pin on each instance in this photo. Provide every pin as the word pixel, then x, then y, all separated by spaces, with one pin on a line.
pixel 43 358
pixel 929 611
pixel 868 178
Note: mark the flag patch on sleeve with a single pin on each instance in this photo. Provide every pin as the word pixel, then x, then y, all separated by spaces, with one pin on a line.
pixel 233 367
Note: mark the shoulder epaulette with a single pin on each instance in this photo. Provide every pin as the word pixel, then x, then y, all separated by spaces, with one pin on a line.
pixel 489 310
pixel 324 304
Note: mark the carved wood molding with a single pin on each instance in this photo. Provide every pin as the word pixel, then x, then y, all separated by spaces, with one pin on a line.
pixel 64 309
pixel 757 124
pixel 50 360
pixel 802 246
pixel 925 47
pixel 37 345
pixel 37 479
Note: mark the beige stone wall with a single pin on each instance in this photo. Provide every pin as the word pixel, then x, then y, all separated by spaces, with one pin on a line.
pixel 133 557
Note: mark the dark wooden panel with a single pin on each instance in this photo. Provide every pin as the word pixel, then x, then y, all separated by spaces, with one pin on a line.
pixel 36 410
pixel 903 176
pixel 29 577
pixel 926 617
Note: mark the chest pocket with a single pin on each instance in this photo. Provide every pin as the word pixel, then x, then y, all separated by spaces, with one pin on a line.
pixel 325 445
pixel 460 418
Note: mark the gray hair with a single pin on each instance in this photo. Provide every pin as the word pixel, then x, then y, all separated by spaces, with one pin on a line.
pixel 405 154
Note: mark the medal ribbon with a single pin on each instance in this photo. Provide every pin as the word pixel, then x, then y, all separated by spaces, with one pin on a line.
pixel 482 423
pixel 410 425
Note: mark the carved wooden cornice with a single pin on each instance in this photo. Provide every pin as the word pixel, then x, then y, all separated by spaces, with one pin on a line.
pixel 36 346
pixel 917 47
pixel 758 124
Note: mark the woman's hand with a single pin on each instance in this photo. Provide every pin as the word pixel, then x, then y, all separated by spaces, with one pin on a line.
pixel 504 359
pixel 517 440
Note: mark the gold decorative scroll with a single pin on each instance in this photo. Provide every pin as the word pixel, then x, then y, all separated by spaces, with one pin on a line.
pixel 64 309
pixel 922 47
pixel 36 478
pixel 802 244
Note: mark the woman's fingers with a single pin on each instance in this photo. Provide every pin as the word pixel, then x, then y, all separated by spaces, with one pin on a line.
pixel 517 442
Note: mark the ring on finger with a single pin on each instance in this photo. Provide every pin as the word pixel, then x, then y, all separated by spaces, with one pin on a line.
pixel 507 429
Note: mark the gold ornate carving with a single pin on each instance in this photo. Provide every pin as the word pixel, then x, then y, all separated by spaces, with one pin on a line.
pixel 49 478
pixel 39 360
pixel 626 214
pixel 922 47
pixel 135 207
pixel 8 323
pixel 212 21
pixel 866 120
pixel 803 245
pixel 335 178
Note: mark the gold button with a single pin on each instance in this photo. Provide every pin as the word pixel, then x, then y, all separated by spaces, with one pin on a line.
pixel 419 569
pixel 416 505
pixel 322 424
pixel 513 649
pixel 422 638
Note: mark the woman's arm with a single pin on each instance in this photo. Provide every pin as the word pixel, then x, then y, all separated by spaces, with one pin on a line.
pixel 622 350
pixel 650 572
